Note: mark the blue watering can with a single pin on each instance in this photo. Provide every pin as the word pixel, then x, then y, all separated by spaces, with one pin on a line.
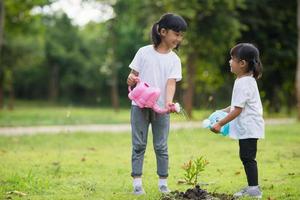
pixel 214 118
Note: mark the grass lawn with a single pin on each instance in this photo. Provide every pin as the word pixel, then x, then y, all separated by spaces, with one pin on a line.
pixel 43 113
pixel 33 115
pixel 97 166
pixel 25 116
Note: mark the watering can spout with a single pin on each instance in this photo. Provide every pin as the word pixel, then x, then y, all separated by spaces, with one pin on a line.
pixel 175 107
pixel 159 110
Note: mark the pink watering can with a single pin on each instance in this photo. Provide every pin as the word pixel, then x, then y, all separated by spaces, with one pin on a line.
pixel 146 96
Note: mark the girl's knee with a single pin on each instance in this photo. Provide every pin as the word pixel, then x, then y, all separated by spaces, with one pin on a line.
pixel 246 159
pixel 138 148
pixel 161 148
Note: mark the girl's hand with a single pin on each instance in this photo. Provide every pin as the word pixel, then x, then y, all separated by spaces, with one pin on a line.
pixel 171 107
pixel 132 79
pixel 216 128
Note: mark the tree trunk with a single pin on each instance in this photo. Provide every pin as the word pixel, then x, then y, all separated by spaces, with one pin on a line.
pixel 298 64
pixel 114 66
pixel 11 91
pixel 114 90
pixel 189 91
pixel 1 44
pixel 53 83
pixel 1 86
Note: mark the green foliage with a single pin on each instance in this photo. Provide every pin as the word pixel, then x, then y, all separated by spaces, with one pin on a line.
pixel 124 39
pixel 88 57
pixel 78 57
pixel 62 57
pixel 18 17
pixel 22 48
pixel 273 29
pixel 214 30
pixel 193 168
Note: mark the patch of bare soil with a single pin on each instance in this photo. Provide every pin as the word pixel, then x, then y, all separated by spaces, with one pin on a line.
pixel 196 193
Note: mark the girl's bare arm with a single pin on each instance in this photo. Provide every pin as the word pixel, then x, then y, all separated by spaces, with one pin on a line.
pixel 170 91
pixel 132 77
pixel 231 116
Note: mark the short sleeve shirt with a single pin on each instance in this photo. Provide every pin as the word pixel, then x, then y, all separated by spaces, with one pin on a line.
pixel 156 68
pixel 250 123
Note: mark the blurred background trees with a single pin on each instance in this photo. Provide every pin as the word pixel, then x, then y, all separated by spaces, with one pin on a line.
pixel 298 63
pixel 48 57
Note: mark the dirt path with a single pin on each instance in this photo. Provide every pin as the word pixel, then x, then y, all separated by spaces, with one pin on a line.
pixel 111 128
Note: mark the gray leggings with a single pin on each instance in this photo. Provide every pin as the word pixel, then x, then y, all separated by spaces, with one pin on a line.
pixel 160 123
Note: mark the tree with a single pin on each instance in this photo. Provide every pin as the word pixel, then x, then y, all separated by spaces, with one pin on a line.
pixel 111 66
pixel 298 65
pixel 94 49
pixel 125 37
pixel 18 23
pixel 1 43
pixel 273 29
pixel 63 57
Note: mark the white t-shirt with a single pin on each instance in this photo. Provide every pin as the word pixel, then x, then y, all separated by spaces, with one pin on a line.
pixel 250 123
pixel 156 68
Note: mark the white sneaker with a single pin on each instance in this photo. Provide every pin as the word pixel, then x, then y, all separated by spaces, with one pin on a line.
pixel 138 190
pixel 164 189
pixel 250 191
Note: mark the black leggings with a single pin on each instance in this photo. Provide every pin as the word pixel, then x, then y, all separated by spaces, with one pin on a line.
pixel 248 149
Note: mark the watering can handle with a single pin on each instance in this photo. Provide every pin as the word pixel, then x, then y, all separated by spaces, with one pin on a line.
pixel 137 81
pixel 175 107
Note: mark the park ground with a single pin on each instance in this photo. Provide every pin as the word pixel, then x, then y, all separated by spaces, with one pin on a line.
pixel 95 163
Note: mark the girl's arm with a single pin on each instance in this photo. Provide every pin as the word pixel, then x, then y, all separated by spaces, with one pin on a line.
pixel 132 77
pixel 170 91
pixel 231 116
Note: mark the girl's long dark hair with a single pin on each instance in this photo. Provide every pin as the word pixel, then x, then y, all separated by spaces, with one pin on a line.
pixel 167 21
pixel 249 53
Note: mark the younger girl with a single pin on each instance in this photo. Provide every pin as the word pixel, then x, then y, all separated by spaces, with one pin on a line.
pixel 245 112
pixel 160 67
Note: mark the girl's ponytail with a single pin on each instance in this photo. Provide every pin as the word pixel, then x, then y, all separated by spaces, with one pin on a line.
pixel 249 53
pixel 257 68
pixel 155 35
pixel 168 21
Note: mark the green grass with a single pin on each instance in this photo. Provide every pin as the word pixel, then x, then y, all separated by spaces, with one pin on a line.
pixel 37 113
pixel 61 116
pixel 97 166
pixel 33 115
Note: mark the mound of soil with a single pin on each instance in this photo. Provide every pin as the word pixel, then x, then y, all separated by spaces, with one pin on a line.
pixel 196 193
